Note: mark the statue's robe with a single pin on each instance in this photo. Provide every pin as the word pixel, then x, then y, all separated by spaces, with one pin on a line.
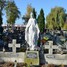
pixel 32 33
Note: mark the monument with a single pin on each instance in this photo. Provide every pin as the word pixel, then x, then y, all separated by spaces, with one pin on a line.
pixel 32 32
pixel 31 37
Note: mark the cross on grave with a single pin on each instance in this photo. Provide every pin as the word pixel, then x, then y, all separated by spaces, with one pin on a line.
pixel 14 45
pixel 50 47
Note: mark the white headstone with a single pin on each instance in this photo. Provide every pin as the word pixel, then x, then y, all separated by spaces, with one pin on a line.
pixel 14 45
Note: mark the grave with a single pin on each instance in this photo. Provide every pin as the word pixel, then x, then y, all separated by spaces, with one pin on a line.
pixel 51 58
pixel 12 56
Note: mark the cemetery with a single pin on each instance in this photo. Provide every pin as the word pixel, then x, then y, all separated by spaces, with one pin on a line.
pixel 51 51
pixel 41 41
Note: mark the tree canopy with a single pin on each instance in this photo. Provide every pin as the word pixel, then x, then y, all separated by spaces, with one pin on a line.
pixel 27 15
pixel 2 5
pixel 65 26
pixel 29 10
pixel 12 12
pixel 56 18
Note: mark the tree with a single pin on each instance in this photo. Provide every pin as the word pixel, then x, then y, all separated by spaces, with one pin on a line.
pixel 2 5
pixel 1 18
pixel 34 13
pixel 56 18
pixel 29 10
pixel 41 21
pixel 12 12
pixel 65 26
pixel 27 15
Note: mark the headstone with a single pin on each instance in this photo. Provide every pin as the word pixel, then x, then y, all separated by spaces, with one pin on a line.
pixel 14 45
pixel 32 57
pixel 50 47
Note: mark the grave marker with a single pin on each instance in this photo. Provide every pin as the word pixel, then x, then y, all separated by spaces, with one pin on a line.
pixel 14 45
pixel 50 47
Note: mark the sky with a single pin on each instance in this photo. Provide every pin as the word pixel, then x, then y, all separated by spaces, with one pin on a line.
pixel 37 4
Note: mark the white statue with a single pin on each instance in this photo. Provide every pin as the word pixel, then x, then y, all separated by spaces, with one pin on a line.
pixel 32 32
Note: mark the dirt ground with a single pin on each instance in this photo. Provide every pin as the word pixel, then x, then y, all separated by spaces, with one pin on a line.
pixel 9 64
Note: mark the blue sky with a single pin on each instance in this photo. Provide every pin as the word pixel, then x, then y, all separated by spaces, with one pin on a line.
pixel 37 4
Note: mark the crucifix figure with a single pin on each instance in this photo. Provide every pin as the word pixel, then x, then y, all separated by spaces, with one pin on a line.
pixel 14 45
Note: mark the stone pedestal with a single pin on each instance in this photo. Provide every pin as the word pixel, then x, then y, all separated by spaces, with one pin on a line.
pixel 32 58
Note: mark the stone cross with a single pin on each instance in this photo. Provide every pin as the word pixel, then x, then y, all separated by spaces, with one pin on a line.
pixel 14 45
pixel 50 47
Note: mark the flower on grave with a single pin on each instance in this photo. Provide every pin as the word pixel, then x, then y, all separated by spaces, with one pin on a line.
pixel 44 40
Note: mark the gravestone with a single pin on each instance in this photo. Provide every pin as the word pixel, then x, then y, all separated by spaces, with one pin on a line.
pixel 32 58
pixel 14 45
pixel 50 47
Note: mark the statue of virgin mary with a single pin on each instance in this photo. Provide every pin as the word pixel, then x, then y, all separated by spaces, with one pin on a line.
pixel 32 32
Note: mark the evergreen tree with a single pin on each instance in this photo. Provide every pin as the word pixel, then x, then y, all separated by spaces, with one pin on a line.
pixel 41 21
pixel 34 13
pixel 2 5
pixel 0 18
